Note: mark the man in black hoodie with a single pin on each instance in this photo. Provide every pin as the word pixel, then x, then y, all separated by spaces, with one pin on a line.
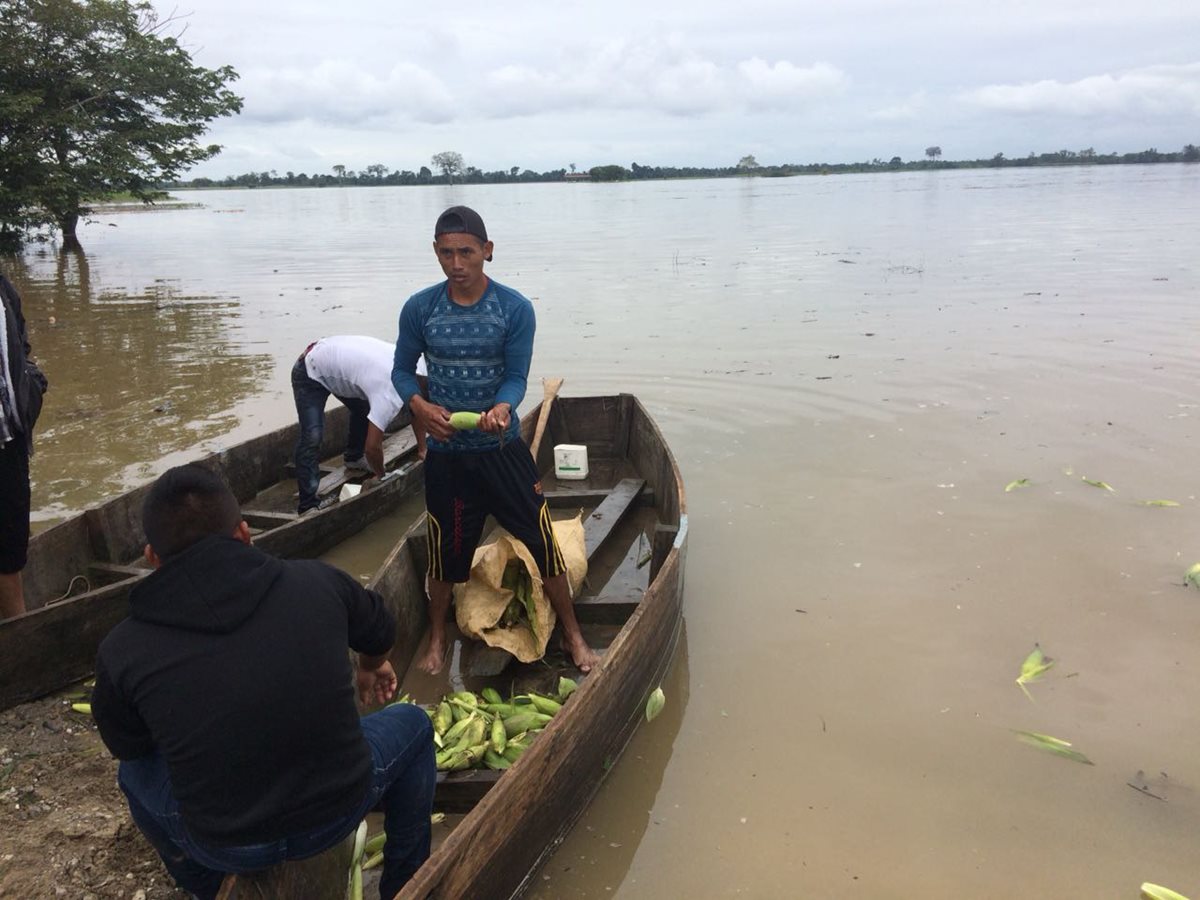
pixel 228 696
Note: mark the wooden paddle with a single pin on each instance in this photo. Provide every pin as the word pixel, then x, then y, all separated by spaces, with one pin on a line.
pixel 550 388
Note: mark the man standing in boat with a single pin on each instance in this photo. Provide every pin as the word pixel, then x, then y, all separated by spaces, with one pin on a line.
pixel 229 697
pixel 477 339
pixel 357 370
pixel 21 387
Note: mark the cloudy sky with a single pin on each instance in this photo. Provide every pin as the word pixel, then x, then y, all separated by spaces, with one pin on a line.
pixel 542 85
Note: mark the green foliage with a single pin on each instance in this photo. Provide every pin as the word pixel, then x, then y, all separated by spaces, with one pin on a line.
pixel 97 98
pixel 608 173
pixel 379 174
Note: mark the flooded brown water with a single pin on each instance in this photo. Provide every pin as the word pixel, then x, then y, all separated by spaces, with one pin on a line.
pixel 850 370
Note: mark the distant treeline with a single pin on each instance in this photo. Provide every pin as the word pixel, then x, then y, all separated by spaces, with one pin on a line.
pixel 379 174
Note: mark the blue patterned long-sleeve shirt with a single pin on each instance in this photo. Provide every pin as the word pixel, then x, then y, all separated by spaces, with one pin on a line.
pixel 477 356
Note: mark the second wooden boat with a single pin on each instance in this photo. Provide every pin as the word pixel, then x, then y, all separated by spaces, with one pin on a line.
pixel 80 571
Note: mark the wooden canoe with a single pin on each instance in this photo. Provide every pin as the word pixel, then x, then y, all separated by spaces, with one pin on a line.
pixel 632 608
pixel 80 571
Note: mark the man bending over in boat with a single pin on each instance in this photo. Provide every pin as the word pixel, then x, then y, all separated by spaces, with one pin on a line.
pixel 357 370
pixel 477 339
pixel 229 698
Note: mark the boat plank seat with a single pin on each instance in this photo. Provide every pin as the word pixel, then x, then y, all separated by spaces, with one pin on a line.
pixel 321 877
pixel 265 519
pixel 120 571
pixel 582 499
pixel 606 609
pixel 610 513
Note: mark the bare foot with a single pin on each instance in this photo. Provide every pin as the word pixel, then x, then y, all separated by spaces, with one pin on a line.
pixel 434 656
pixel 581 654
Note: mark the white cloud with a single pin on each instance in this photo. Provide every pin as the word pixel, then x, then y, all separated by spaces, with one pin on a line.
pixel 335 91
pixel 1154 90
pixel 657 74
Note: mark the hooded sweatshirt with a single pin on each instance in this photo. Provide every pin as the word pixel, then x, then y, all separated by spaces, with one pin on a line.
pixel 234 666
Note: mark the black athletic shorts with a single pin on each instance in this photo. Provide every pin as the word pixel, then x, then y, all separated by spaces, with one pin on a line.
pixel 461 489
pixel 14 505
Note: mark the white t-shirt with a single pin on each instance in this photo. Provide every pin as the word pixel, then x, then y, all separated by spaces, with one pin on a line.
pixel 357 366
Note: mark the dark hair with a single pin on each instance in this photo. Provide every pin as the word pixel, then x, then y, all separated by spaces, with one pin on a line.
pixel 186 504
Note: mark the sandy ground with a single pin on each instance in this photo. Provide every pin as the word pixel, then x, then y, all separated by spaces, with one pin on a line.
pixel 67 831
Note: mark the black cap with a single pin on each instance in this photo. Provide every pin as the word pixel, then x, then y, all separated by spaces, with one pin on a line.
pixel 460 220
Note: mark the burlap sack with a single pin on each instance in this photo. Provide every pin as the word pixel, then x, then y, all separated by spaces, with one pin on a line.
pixel 480 602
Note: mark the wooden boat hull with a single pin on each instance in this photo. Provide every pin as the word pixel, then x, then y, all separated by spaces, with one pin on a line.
pixel 529 808
pixel 55 643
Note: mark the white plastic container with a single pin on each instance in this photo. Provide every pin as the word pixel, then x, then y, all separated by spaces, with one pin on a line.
pixel 570 462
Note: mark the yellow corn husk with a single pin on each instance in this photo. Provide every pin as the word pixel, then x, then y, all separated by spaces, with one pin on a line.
pixel 465 697
pixel 524 721
pixel 374 844
pixel 475 733
pixel 545 704
pixel 373 860
pixel 443 718
pixel 85 708
pixel 465 759
pixel 499 735
pixel 454 732
pixel 494 760
pixel 566 687
pixel 513 752
pixel 360 841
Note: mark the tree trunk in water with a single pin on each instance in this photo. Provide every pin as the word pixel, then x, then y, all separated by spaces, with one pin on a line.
pixel 67 224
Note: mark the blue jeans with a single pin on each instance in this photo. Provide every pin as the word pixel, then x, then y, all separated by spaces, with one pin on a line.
pixel 404 776
pixel 311 397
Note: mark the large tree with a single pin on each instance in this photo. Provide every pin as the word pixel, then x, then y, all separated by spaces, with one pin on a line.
pixel 450 162
pixel 96 97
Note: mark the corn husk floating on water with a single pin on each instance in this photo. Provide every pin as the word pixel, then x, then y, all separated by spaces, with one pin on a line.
pixel 1158 892
pixel 1054 745
pixel 1019 483
pixel 1192 576
pixel 1159 503
pixel 1103 485
pixel 1036 665
pixel 655 704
